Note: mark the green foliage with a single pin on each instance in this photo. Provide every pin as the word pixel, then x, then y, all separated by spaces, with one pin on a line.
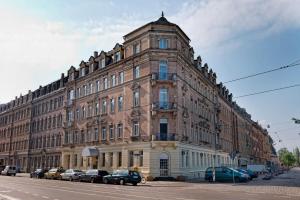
pixel 286 157
pixel 297 156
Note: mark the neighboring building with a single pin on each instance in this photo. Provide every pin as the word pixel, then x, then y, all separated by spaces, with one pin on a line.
pixel 146 104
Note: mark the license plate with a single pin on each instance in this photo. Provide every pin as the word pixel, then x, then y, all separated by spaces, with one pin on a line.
pixel 135 176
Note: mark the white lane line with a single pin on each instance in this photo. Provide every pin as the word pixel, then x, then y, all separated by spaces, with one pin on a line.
pixel 8 197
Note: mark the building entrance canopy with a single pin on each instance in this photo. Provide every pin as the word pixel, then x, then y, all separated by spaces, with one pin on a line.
pixel 89 152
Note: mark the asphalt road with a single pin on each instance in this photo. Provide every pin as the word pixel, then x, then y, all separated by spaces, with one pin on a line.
pixel 24 188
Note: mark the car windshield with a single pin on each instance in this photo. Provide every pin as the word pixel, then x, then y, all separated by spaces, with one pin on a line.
pixel 234 170
pixel 38 170
pixel 120 172
pixel 77 170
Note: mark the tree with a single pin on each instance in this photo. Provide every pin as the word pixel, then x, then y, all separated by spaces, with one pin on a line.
pixel 286 157
pixel 297 156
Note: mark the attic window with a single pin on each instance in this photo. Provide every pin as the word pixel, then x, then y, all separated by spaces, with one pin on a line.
pixel 103 63
pixel 136 48
pixel 118 56
pixel 82 72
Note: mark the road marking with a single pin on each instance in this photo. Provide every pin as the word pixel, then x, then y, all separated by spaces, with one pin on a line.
pixel 8 197
pixel 45 197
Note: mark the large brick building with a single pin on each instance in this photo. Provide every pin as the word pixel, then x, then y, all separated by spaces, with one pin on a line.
pixel 147 103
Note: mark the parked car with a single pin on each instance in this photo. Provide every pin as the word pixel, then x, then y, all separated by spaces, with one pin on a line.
pixel 38 173
pixel 2 167
pixel 224 174
pixel 93 176
pixel 54 173
pixel 250 173
pixel 9 170
pixel 122 177
pixel 71 174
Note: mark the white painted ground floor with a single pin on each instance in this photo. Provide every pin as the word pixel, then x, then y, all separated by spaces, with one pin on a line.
pixel 155 159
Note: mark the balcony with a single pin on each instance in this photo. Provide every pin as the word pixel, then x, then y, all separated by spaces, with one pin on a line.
pixel 164 137
pixel 164 77
pixel 164 105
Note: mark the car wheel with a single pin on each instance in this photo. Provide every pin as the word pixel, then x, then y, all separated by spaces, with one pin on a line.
pixel 105 181
pixel 70 178
pixel 135 184
pixel 122 182
pixel 210 179
pixel 14 174
pixel 92 180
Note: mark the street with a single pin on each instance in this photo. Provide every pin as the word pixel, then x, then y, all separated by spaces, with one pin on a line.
pixel 285 186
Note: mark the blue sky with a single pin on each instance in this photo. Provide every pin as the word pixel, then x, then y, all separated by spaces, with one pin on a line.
pixel 40 39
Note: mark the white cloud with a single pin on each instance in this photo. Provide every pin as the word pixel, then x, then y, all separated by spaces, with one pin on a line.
pixel 34 52
pixel 218 22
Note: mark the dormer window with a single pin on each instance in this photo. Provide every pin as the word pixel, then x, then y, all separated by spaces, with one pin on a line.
pixel 82 72
pixel 118 56
pixel 163 43
pixel 136 48
pixel 103 63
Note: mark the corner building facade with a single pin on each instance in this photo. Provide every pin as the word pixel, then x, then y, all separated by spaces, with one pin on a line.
pixel 146 104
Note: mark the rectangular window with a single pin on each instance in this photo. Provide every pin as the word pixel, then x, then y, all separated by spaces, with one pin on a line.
pixel 83 112
pixel 77 114
pixel 130 158
pixel 91 88
pixel 97 109
pixel 163 98
pixel 120 130
pixel 96 136
pixel 84 90
pixel 121 77
pixel 141 158
pixel 111 160
pixel 82 72
pixel 105 84
pixel 136 129
pixel 112 105
pixel 136 72
pixel 104 107
pixel 103 160
pixel 97 86
pixel 136 48
pixel 120 103
pixel 113 80
pixel 103 63
pixel 111 132
pixel 163 70
pixel 118 56
pixel 103 133
pixel 163 43
pixel 119 159
pixel 136 98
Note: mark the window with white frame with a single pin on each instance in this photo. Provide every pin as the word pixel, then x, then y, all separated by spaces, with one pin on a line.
pixel 136 128
pixel 103 63
pixel 136 48
pixel 84 90
pixel 136 72
pixel 83 112
pixel 97 86
pixel 82 72
pixel 118 56
pixel 91 88
pixel 120 103
pixel 113 80
pixel 111 132
pixel 105 84
pixel 121 77
pixel 103 133
pixel 104 106
pixel 112 105
pixel 120 130
pixel 96 108
pixel 136 98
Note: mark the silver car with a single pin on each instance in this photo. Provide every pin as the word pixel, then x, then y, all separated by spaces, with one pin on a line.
pixel 9 171
pixel 71 174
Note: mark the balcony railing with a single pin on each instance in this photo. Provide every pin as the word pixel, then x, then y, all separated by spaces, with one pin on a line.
pixel 164 137
pixel 164 105
pixel 162 76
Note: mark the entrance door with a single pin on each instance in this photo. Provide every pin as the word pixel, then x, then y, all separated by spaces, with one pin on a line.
pixel 163 126
pixel 164 164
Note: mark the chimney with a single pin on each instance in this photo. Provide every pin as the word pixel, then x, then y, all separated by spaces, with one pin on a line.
pixel 95 54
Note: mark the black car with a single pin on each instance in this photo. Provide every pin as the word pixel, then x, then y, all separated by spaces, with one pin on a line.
pixel 122 177
pixel 93 176
pixel 38 173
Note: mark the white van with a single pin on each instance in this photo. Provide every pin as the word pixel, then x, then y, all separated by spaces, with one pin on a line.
pixel 9 170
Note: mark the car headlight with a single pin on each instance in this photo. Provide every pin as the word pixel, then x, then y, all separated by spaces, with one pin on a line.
pixel 244 175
